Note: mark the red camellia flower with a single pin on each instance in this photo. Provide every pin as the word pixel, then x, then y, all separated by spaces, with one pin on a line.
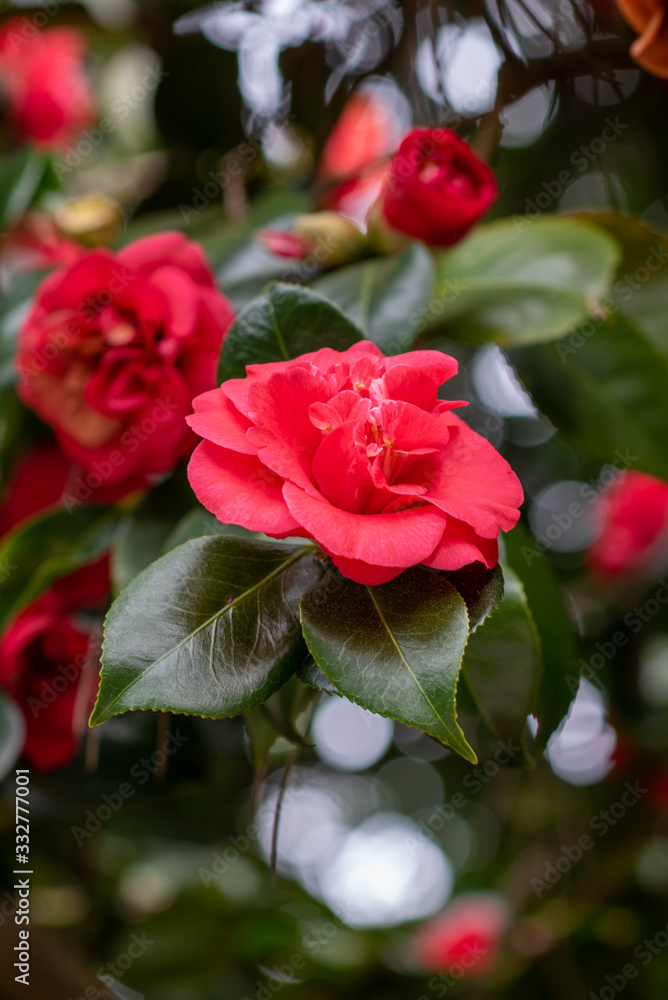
pixel 42 658
pixel 464 939
pixel 42 73
pixel 437 187
pixel 633 526
pixel 114 349
pixel 355 451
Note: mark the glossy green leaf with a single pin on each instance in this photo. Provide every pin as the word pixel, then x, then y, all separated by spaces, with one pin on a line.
pixel 481 588
pixel 385 296
pixel 395 649
pixel 518 281
pixel 312 675
pixel 502 668
pixel 283 323
pixel 210 629
pixel 12 733
pixel 559 649
pixel 47 547
pixel 605 392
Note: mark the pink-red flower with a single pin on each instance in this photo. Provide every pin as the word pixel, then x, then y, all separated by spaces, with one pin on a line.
pixel 465 938
pixel 633 526
pixel 115 348
pixel 43 656
pixel 42 74
pixel 355 451
pixel 437 188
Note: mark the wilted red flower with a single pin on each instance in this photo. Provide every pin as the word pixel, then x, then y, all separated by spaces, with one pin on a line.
pixel 354 450
pixel 115 348
pixel 437 188
pixel 633 525
pixel 42 73
pixel 465 938
pixel 648 18
pixel 43 653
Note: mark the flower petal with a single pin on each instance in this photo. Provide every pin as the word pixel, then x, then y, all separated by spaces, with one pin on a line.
pixel 239 489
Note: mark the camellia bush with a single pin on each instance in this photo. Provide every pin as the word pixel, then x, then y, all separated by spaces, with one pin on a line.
pixel 351 398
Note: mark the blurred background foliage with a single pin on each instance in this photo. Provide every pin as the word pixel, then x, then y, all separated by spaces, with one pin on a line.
pixel 167 887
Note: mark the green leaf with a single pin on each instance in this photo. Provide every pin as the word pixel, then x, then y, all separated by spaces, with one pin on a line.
pixel 641 291
pixel 14 306
pixel 283 323
pixel 44 548
pixel 523 282
pixel 312 675
pixel 559 679
pixel 20 177
pixel 604 392
pixel 199 521
pixel 143 534
pixel 502 667
pixel 210 629
pixel 247 268
pixel 481 588
pixel 12 733
pixel 385 296
pixel 395 649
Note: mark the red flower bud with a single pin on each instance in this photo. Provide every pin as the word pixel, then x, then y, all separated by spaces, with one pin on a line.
pixel 437 188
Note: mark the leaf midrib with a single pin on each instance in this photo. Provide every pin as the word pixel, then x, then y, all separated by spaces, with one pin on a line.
pixel 405 661
pixel 213 618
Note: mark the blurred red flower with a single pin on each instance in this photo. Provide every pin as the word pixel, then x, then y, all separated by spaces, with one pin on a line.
pixel 465 938
pixel 44 649
pixel 114 349
pixel 42 73
pixel 355 156
pixel 632 519
pixel 43 653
